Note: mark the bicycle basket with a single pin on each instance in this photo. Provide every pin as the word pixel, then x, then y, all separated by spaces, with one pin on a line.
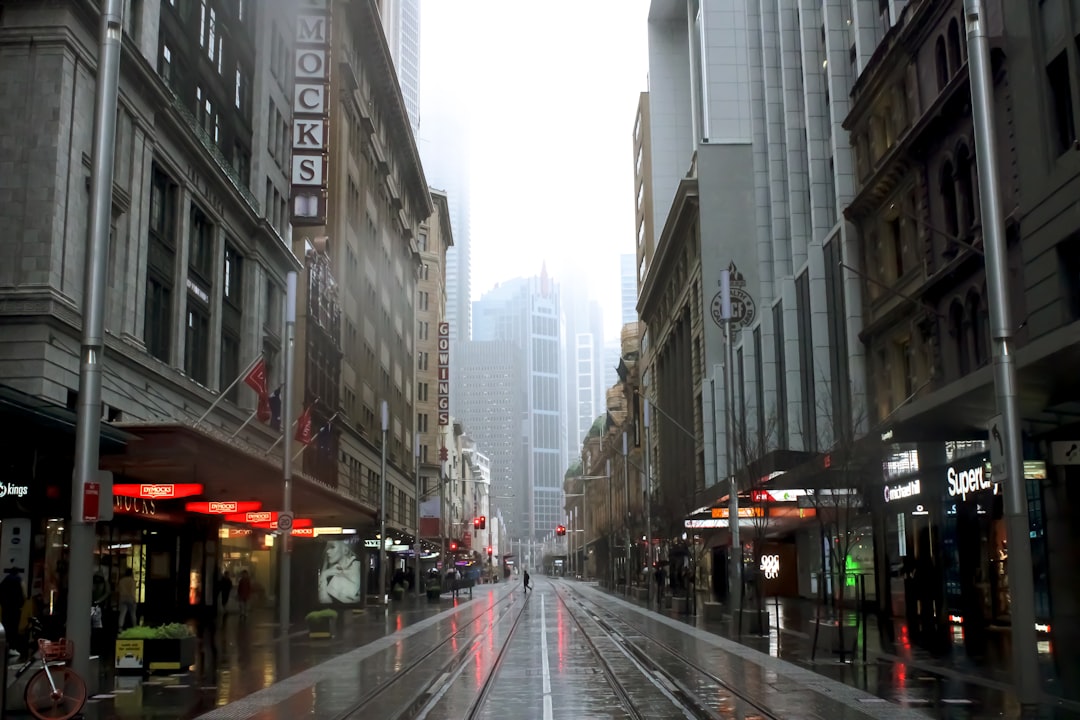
pixel 56 650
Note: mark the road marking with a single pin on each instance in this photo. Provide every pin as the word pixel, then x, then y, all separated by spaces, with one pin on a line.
pixel 548 713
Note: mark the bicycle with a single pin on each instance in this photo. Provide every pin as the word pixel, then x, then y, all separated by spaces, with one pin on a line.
pixel 55 691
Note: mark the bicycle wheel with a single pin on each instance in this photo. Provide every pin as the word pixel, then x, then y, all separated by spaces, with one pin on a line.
pixel 65 703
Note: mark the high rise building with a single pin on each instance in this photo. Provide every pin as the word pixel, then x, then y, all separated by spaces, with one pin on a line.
pixel 492 389
pixel 526 314
pixel 769 160
pixel 435 238
pixel 401 25
pixel 628 288
pixel 583 337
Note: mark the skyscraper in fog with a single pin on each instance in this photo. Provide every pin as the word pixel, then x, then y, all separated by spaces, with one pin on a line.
pixel 525 313
pixel 401 24
pixel 628 288
pixel 583 353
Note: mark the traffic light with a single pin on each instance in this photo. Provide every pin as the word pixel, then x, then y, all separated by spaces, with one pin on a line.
pixel 483 522
pixel 453 546
pixel 476 523
pixel 489 550
pixel 443 454
pixel 560 530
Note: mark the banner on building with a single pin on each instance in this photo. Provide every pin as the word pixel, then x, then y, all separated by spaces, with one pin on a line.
pixel 311 113
pixel 444 374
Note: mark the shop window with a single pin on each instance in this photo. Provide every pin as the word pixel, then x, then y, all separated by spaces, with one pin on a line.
pixel 1063 130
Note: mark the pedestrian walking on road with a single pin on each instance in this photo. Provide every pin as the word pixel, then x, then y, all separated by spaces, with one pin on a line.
pixel 527 588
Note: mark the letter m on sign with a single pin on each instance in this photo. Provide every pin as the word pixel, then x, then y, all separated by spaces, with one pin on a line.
pixel 311 29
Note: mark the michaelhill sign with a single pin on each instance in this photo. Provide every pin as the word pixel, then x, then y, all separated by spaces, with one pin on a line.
pixel 311 111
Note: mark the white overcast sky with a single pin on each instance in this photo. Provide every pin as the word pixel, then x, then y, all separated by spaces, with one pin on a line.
pixel 546 91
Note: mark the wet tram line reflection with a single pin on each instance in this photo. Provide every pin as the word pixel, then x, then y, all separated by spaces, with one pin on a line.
pixel 375 703
pixel 689 700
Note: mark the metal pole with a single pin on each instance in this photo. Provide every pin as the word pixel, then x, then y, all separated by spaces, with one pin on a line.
pixel 88 421
pixel 287 410
pixel 611 530
pixel 1021 587
pixel 729 414
pixel 385 412
pixel 626 487
pixel 647 485
pixel 416 545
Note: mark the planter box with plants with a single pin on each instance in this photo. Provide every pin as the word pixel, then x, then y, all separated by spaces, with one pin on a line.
pixel 155 649
pixel 434 591
pixel 321 623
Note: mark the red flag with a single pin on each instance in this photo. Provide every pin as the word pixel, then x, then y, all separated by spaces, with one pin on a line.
pixel 256 378
pixel 303 427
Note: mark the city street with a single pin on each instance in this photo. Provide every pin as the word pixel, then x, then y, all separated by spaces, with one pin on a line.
pixel 567 649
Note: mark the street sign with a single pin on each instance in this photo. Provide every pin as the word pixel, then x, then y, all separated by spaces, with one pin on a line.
pixel 285 521
pixel 998 471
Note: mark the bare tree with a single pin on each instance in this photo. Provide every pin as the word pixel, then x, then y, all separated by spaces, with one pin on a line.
pixel 840 501
pixel 751 444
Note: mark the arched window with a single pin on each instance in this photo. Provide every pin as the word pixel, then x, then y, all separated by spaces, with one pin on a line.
pixel 965 183
pixel 977 328
pixel 948 199
pixel 955 58
pixel 959 337
pixel 942 64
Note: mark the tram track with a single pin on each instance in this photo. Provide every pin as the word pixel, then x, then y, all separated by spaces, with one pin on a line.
pixel 363 707
pixel 608 622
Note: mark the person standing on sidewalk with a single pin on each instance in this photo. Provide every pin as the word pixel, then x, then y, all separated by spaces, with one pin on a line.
pixel 659 587
pixel 243 592
pixel 527 588
pixel 125 589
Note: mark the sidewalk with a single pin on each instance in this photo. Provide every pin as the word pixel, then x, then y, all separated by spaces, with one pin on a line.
pixel 240 657
pixel 953 684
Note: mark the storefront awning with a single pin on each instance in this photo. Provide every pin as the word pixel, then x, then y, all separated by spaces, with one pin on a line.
pixel 170 453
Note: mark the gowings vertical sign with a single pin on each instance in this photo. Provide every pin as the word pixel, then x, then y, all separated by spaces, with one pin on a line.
pixel 444 373
pixel 311 113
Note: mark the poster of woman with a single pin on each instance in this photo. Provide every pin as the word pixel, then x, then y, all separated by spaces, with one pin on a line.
pixel 339 575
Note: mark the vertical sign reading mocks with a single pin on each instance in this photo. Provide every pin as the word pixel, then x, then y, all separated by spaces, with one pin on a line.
pixel 444 373
pixel 311 110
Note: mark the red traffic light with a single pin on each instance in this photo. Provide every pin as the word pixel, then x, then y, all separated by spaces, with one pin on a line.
pixel 489 550
pixel 443 454
pixel 476 523
pixel 560 530
pixel 453 547
pixel 483 522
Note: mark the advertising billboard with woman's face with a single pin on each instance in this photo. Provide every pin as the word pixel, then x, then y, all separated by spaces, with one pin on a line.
pixel 338 580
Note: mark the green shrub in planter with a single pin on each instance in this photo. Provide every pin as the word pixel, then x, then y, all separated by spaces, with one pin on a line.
pixel 164 647
pixel 321 623
pixel 398 591
pixel 434 590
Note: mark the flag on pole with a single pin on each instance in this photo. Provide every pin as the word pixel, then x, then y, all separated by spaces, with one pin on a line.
pixel 303 427
pixel 256 380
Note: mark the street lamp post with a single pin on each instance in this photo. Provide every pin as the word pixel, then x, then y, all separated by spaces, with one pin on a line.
pixel 626 488
pixel 729 417
pixel 611 529
pixel 285 579
pixel 385 417
pixel 1025 665
pixel 647 486
pixel 416 545
pixel 88 420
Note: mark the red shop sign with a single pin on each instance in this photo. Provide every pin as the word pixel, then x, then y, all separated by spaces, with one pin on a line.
pixel 157 492
pixel 223 507
pixel 263 516
pixel 303 532
pixel 297 523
